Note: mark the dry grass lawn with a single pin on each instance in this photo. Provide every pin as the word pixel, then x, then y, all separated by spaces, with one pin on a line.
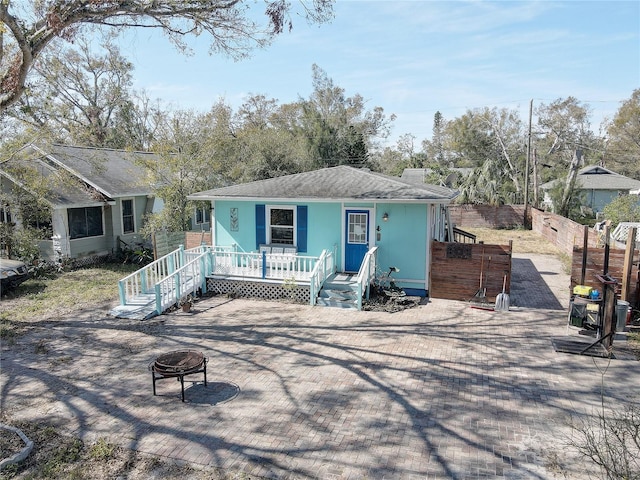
pixel 524 241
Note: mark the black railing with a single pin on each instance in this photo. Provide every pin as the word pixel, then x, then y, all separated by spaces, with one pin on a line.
pixel 461 236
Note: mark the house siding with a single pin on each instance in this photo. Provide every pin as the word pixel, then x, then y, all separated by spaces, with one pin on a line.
pixel 402 239
pixel 598 199
pixel 403 242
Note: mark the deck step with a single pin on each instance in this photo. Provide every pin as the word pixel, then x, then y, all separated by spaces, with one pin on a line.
pixel 334 294
pixel 134 312
pixel 141 307
pixel 332 302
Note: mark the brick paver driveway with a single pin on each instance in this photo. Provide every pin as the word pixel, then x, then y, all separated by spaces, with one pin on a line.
pixel 437 391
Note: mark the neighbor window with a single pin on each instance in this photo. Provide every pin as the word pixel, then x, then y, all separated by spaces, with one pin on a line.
pixel 5 215
pixel 201 215
pixel 281 225
pixel 85 222
pixel 128 220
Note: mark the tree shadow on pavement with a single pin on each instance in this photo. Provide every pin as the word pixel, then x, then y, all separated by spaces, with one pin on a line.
pixel 528 287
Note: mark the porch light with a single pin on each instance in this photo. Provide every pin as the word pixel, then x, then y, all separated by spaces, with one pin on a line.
pixel 385 217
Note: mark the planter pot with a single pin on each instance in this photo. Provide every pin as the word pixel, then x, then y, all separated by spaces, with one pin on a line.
pixel 186 307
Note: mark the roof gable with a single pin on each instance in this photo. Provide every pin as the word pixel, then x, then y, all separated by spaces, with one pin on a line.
pixel 595 177
pixel 114 173
pixel 333 183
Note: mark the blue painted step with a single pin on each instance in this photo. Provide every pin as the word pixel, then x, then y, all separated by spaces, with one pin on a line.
pixel 339 291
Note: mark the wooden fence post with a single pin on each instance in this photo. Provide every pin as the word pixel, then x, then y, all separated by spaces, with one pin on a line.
pixel 628 263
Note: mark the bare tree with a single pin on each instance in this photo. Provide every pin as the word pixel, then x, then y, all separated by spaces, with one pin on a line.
pixel 28 27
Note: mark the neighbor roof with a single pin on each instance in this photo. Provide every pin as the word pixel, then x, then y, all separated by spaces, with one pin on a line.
pixel 60 192
pixel 112 172
pixel 333 183
pixel 103 174
pixel 418 175
pixel 595 177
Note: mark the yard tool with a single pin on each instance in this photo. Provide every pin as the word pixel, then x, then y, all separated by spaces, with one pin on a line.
pixel 502 300
pixel 481 294
pixel 479 300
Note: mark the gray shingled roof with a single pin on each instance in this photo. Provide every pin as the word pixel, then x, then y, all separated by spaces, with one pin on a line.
pixel 595 177
pixel 334 183
pixel 417 175
pixel 61 192
pixel 113 172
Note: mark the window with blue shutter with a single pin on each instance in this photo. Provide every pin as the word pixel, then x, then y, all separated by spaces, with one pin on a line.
pixel 302 228
pixel 261 231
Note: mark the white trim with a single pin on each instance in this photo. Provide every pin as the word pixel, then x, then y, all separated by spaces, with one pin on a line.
pixel 214 223
pixel 204 215
pixel 302 200
pixel 429 238
pixel 267 221
pixel 133 210
pixel 104 234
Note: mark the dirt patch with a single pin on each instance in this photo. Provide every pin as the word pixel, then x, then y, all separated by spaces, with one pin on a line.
pixel 61 456
pixel 381 302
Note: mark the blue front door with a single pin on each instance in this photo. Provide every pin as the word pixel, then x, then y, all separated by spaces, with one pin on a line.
pixel 357 239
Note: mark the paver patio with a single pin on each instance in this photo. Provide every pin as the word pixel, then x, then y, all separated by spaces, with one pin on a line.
pixel 437 391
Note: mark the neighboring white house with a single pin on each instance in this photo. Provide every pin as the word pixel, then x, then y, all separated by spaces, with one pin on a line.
pixel 600 187
pixel 98 197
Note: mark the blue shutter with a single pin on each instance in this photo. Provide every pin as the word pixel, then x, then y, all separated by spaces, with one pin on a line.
pixel 261 231
pixel 302 228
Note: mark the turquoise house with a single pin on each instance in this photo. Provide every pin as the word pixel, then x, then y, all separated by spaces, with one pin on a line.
pixel 354 218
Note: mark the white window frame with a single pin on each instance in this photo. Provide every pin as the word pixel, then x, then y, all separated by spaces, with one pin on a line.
pixel 205 218
pixel 268 225
pixel 133 214
pixel 102 214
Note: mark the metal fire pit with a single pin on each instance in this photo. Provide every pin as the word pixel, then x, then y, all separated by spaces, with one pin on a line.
pixel 176 365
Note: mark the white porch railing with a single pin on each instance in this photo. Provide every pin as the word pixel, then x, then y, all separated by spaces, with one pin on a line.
pixel 325 266
pixel 366 274
pixel 144 281
pixel 184 281
pixel 183 272
pixel 262 265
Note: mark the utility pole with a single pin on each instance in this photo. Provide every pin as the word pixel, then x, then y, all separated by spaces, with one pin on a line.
pixel 526 169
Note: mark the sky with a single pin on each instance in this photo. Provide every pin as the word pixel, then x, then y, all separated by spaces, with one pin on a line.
pixel 415 58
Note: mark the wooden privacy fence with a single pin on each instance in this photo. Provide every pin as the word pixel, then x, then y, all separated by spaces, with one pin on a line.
pixel 166 242
pixel 456 269
pixel 594 265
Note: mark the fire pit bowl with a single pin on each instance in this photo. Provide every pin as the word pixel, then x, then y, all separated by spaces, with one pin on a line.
pixel 177 364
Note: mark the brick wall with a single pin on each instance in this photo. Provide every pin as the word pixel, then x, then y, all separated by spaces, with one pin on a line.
pixel 195 239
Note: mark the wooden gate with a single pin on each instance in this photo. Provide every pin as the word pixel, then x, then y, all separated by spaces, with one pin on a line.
pixel 456 269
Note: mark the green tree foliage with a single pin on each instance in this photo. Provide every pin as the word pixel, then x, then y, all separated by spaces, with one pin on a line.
pixel 435 149
pixel 563 127
pixel 490 140
pixel 567 206
pixel 338 129
pixel 625 208
pixel 79 96
pixel 623 148
pixel 28 28
pixel 185 167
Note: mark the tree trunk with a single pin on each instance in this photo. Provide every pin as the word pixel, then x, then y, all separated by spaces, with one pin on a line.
pixel 570 183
